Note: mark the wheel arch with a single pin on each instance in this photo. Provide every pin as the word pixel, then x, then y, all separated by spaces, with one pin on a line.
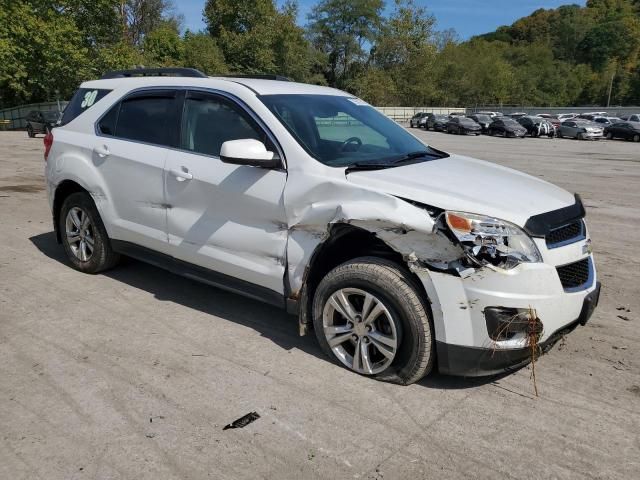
pixel 62 191
pixel 346 242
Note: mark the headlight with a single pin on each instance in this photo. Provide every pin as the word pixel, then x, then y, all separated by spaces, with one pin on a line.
pixel 488 240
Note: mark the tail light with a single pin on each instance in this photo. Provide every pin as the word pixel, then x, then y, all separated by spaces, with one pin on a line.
pixel 48 141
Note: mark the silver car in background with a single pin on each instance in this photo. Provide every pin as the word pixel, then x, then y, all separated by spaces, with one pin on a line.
pixel 580 129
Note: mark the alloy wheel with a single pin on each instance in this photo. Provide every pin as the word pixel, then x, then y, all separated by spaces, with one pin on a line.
pixel 79 234
pixel 360 330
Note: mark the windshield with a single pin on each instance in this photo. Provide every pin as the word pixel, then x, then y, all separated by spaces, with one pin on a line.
pixel 341 131
pixel 483 118
pixel 467 121
pixel 510 121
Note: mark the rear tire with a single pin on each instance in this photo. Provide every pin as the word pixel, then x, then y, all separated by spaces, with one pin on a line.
pixel 636 138
pixel 609 136
pixel 384 311
pixel 84 237
pixel 30 131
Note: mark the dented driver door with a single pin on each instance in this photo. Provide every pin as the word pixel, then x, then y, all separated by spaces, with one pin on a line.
pixel 229 219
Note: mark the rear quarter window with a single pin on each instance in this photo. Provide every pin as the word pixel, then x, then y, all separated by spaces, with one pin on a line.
pixel 82 100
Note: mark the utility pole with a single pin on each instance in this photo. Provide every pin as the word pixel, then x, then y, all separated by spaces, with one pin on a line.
pixel 610 89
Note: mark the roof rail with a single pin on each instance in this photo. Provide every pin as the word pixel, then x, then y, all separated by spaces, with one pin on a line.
pixel 154 72
pixel 261 76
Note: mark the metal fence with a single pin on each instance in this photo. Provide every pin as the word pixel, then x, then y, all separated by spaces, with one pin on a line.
pixel 403 114
pixel 17 115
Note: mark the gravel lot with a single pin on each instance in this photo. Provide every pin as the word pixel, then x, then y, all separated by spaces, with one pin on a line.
pixel 133 374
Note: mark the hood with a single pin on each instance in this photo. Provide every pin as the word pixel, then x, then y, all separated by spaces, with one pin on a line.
pixel 468 185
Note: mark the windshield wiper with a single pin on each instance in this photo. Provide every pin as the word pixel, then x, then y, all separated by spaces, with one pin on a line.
pixel 354 167
pixel 415 155
pixel 408 158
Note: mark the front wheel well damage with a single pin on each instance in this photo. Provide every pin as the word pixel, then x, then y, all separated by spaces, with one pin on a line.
pixel 63 190
pixel 345 242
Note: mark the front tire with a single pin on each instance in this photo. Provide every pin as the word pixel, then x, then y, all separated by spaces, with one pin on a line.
pixel 636 138
pixel 84 237
pixel 30 131
pixel 370 318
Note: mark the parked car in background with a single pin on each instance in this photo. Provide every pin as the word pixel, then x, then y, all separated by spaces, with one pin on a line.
pixel 554 119
pixel 631 118
pixel 437 122
pixel 591 116
pixel 606 121
pixel 41 122
pixel 483 120
pixel 463 126
pixel 507 127
pixel 566 116
pixel 491 114
pixel 518 115
pixel 415 120
pixel 580 129
pixel 624 130
pixel 538 126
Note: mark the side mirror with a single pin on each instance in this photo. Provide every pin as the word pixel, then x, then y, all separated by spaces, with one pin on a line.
pixel 248 151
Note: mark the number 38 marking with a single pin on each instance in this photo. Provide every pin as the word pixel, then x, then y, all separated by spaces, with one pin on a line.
pixel 89 99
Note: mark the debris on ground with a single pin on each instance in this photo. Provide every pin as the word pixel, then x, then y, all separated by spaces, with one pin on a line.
pixel 625 318
pixel 243 421
pixel 634 389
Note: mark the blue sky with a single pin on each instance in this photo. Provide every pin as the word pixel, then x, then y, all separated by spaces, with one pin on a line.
pixel 467 17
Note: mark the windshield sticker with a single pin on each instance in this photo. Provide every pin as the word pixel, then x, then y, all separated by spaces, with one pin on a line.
pixel 89 99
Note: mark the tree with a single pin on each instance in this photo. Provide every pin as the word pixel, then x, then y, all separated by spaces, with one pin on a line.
pixel 406 50
pixel 141 17
pixel 36 65
pixel 340 29
pixel 256 37
pixel 244 30
pixel 294 56
pixel 163 47
pixel 201 51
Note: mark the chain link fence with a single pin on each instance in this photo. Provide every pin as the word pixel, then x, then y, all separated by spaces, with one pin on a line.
pixel 15 118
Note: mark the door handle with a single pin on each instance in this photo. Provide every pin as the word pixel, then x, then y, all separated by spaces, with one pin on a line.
pixel 181 175
pixel 102 151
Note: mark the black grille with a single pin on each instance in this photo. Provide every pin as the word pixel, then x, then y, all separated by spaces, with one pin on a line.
pixel 574 230
pixel 575 274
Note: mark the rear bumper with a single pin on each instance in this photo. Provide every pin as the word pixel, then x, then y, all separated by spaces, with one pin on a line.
pixel 475 361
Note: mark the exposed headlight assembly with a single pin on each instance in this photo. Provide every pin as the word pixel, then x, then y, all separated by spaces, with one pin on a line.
pixel 490 241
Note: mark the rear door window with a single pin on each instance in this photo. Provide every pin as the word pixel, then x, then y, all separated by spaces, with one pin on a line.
pixel 148 117
pixel 82 100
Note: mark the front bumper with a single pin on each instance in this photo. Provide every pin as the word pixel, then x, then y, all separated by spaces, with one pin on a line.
pixel 474 361
pixel 592 135
pixel 458 304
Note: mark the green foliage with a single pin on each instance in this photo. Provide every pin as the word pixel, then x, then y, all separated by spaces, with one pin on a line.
pixel 200 51
pixel 566 56
pixel 163 46
pixel 34 64
pixel 340 29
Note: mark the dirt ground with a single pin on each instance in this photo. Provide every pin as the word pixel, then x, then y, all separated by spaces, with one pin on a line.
pixel 132 374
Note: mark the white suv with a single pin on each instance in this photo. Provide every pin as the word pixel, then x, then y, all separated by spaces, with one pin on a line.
pixel 400 257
